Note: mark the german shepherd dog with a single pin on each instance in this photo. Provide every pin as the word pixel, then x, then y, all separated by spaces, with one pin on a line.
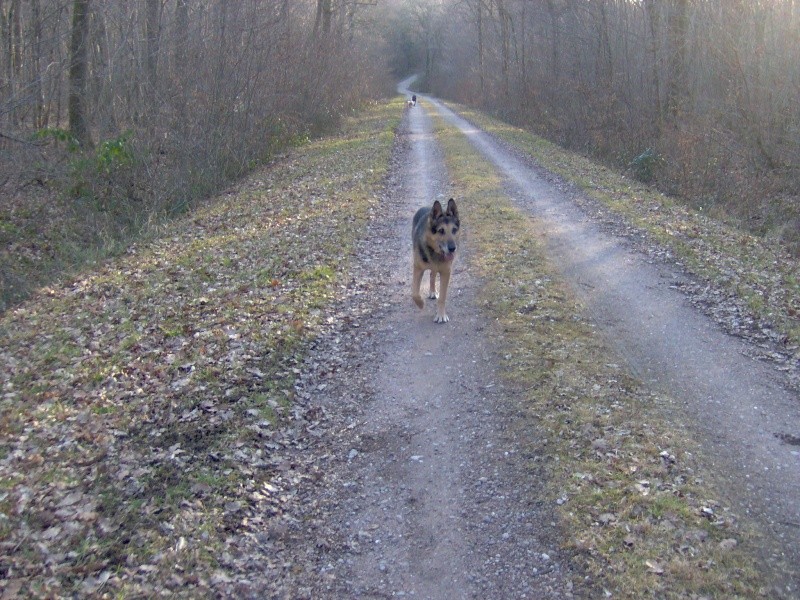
pixel 434 235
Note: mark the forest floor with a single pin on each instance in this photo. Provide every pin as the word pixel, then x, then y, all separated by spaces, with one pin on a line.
pixel 251 406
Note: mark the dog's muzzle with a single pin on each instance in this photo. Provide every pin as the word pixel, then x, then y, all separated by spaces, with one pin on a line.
pixel 449 253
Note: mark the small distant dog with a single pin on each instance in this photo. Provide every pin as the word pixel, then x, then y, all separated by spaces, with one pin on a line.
pixel 409 104
pixel 434 235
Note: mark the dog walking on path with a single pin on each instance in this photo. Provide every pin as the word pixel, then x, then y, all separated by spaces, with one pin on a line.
pixel 434 235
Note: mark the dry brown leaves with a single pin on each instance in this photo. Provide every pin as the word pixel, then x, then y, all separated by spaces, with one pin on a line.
pixel 147 412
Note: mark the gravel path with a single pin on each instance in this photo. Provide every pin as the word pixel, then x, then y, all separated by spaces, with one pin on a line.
pixel 426 491
pixel 422 494
pixel 738 407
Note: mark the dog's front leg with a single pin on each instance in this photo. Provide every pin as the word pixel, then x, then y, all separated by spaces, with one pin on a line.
pixel 432 292
pixel 416 282
pixel 444 281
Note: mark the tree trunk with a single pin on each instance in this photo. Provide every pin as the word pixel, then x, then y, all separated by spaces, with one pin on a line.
pixel 222 48
pixel 480 49
pixel 323 17
pixel 152 36
pixel 505 47
pixel 16 37
pixel 14 71
pixel 39 117
pixel 5 47
pixel 77 73
pixel 606 54
pixel 651 8
pixel 523 53
pixel 181 32
pixel 678 85
pixel 180 54
pixel 555 41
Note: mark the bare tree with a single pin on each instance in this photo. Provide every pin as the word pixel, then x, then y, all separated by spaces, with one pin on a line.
pixel 78 124
pixel 183 95
pixel 152 35
pixel 677 31
pixel 481 56
pixel 324 15
pixel 708 87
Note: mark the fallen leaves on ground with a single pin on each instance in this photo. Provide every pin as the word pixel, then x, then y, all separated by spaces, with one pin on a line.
pixel 148 413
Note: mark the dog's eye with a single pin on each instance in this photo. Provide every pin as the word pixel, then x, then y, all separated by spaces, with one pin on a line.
pixel 454 230
pixel 441 230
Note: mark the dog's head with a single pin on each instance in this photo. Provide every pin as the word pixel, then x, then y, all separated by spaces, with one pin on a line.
pixel 443 229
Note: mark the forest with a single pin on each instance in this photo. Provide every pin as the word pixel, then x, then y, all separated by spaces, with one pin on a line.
pixel 214 382
pixel 115 115
pixel 696 96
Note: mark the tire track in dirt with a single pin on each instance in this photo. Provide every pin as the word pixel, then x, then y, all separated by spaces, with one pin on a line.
pixel 733 403
pixel 410 453
pixel 423 497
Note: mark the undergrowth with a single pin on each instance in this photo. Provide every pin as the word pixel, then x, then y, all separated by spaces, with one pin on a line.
pixel 67 208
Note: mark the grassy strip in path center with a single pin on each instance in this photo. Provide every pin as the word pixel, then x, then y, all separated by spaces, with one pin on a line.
pixel 639 514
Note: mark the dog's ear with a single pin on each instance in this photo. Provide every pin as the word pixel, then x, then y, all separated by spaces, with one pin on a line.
pixel 452 211
pixel 436 211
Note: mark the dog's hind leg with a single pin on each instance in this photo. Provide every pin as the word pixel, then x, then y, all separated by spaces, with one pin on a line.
pixel 444 281
pixel 416 282
pixel 432 291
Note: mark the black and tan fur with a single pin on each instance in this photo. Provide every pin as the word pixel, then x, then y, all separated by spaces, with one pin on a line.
pixel 434 235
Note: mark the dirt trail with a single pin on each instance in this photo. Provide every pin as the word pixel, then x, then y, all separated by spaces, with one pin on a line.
pixel 423 465
pixel 737 406
pixel 422 498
